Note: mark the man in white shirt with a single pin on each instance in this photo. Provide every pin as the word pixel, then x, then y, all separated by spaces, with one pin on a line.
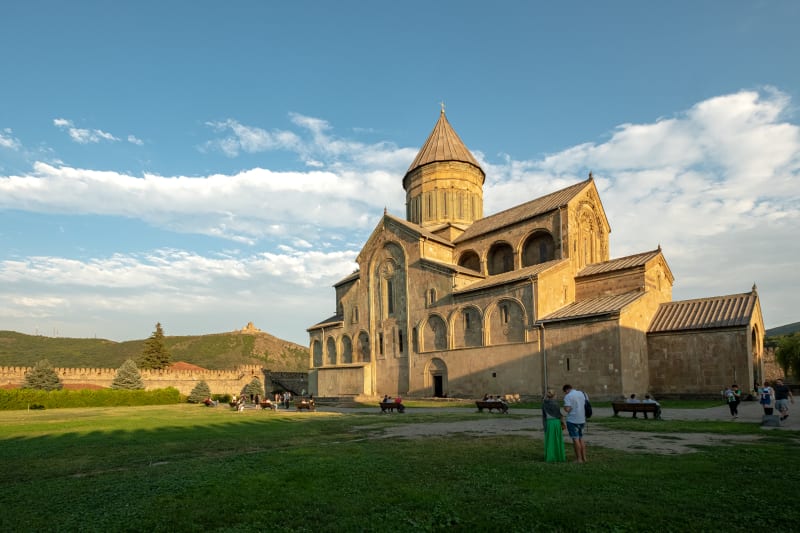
pixel 574 401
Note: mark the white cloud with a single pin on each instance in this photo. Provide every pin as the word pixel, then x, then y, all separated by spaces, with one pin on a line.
pixel 82 135
pixel 7 140
pixel 134 140
pixel 716 185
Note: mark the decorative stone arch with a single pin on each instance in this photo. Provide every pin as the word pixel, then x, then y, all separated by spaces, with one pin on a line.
pixel 347 350
pixel 316 353
pixel 590 242
pixel 471 260
pixel 363 351
pixel 466 323
pixel 330 350
pixel 538 247
pixel 434 333
pixel 435 377
pixel 505 322
pixel 500 258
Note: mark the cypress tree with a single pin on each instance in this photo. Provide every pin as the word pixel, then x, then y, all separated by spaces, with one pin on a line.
pixel 154 355
pixel 254 387
pixel 128 377
pixel 42 376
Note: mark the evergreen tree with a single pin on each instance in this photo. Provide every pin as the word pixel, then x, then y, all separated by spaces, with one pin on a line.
pixel 199 393
pixel 254 387
pixel 128 377
pixel 42 376
pixel 154 355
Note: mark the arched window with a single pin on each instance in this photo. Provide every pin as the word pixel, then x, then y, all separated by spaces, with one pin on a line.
pixel 331 348
pixel 347 350
pixel 507 323
pixel 316 350
pixel 538 248
pixel 431 297
pixel 435 334
pixel 470 260
pixel 500 259
pixel 363 347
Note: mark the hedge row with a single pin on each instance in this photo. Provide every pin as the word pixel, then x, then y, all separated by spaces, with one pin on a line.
pixel 39 399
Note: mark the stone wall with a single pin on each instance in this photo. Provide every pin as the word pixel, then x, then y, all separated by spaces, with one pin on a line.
pixel 220 381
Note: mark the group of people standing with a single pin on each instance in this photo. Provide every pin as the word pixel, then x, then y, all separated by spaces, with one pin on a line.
pixel 574 421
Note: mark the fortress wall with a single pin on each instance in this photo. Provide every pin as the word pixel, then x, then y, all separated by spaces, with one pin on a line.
pixel 220 381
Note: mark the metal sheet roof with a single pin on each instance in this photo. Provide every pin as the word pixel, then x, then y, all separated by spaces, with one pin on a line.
pixel 602 305
pixel 511 276
pixel 536 207
pixel 734 310
pixel 443 144
pixel 621 263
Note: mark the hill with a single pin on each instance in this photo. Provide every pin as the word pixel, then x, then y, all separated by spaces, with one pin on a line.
pixel 788 329
pixel 216 351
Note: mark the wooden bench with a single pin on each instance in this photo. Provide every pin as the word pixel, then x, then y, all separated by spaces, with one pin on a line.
pixel 391 406
pixel 490 405
pixel 308 405
pixel 625 407
pixel 268 405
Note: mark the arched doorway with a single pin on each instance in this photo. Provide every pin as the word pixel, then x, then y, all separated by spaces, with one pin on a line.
pixel 436 377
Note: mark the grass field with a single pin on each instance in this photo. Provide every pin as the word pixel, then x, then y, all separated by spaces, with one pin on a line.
pixel 191 468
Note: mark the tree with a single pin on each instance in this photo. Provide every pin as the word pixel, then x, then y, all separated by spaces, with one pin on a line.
pixel 128 377
pixel 154 355
pixel 254 387
pixel 42 376
pixel 788 354
pixel 199 393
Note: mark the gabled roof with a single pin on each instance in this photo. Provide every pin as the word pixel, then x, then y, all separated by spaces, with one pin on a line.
pixel 602 305
pixel 509 277
pixel 443 144
pixel 621 263
pixel 335 320
pixel 539 206
pixel 419 230
pixel 734 310
pixel 352 277
pixel 451 267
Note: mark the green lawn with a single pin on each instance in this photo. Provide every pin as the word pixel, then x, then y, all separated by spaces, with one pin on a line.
pixel 191 468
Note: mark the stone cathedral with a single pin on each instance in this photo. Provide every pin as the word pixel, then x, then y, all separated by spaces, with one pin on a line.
pixel 449 302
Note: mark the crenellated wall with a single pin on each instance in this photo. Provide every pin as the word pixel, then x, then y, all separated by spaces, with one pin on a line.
pixel 220 381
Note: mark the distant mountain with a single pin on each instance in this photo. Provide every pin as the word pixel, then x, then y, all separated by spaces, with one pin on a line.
pixel 216 351
pixel 788 329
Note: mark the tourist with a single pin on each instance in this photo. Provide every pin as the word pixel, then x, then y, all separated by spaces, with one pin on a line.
pixel 634 399
pixel 733 396
pixel 782 396
pixel 767 399
pixel 574 401
pixel 650 399
pixel 398 404
pixel 554 425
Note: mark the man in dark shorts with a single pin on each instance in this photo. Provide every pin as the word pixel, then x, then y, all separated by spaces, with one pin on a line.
pixel 782 396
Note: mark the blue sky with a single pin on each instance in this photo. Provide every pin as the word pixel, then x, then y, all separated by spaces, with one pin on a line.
pixel 205 164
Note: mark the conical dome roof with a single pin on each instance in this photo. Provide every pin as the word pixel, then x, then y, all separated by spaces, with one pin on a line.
pixel 443 144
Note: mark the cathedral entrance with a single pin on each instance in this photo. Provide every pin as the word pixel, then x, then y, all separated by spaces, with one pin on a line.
pixel 438 386
pixel 436 378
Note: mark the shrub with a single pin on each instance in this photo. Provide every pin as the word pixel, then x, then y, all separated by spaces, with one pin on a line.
pixel 199 393
pixel 27 398
pixel 254 387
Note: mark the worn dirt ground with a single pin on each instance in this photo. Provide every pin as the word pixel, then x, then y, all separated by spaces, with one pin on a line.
pixel 596 435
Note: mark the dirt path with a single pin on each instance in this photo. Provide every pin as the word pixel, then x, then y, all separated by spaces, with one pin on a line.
pixel 596 435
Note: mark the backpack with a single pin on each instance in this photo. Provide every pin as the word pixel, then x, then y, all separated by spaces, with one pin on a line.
pixel 587 407
pixel 765 397
pixel 731 397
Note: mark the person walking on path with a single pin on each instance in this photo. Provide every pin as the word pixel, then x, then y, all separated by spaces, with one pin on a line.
pixel 554 426
pixel 733 396
pixel 574 401
pixel 767 399
pixel 782 396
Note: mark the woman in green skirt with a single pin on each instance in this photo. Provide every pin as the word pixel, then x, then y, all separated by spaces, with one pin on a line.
pixel 553 428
